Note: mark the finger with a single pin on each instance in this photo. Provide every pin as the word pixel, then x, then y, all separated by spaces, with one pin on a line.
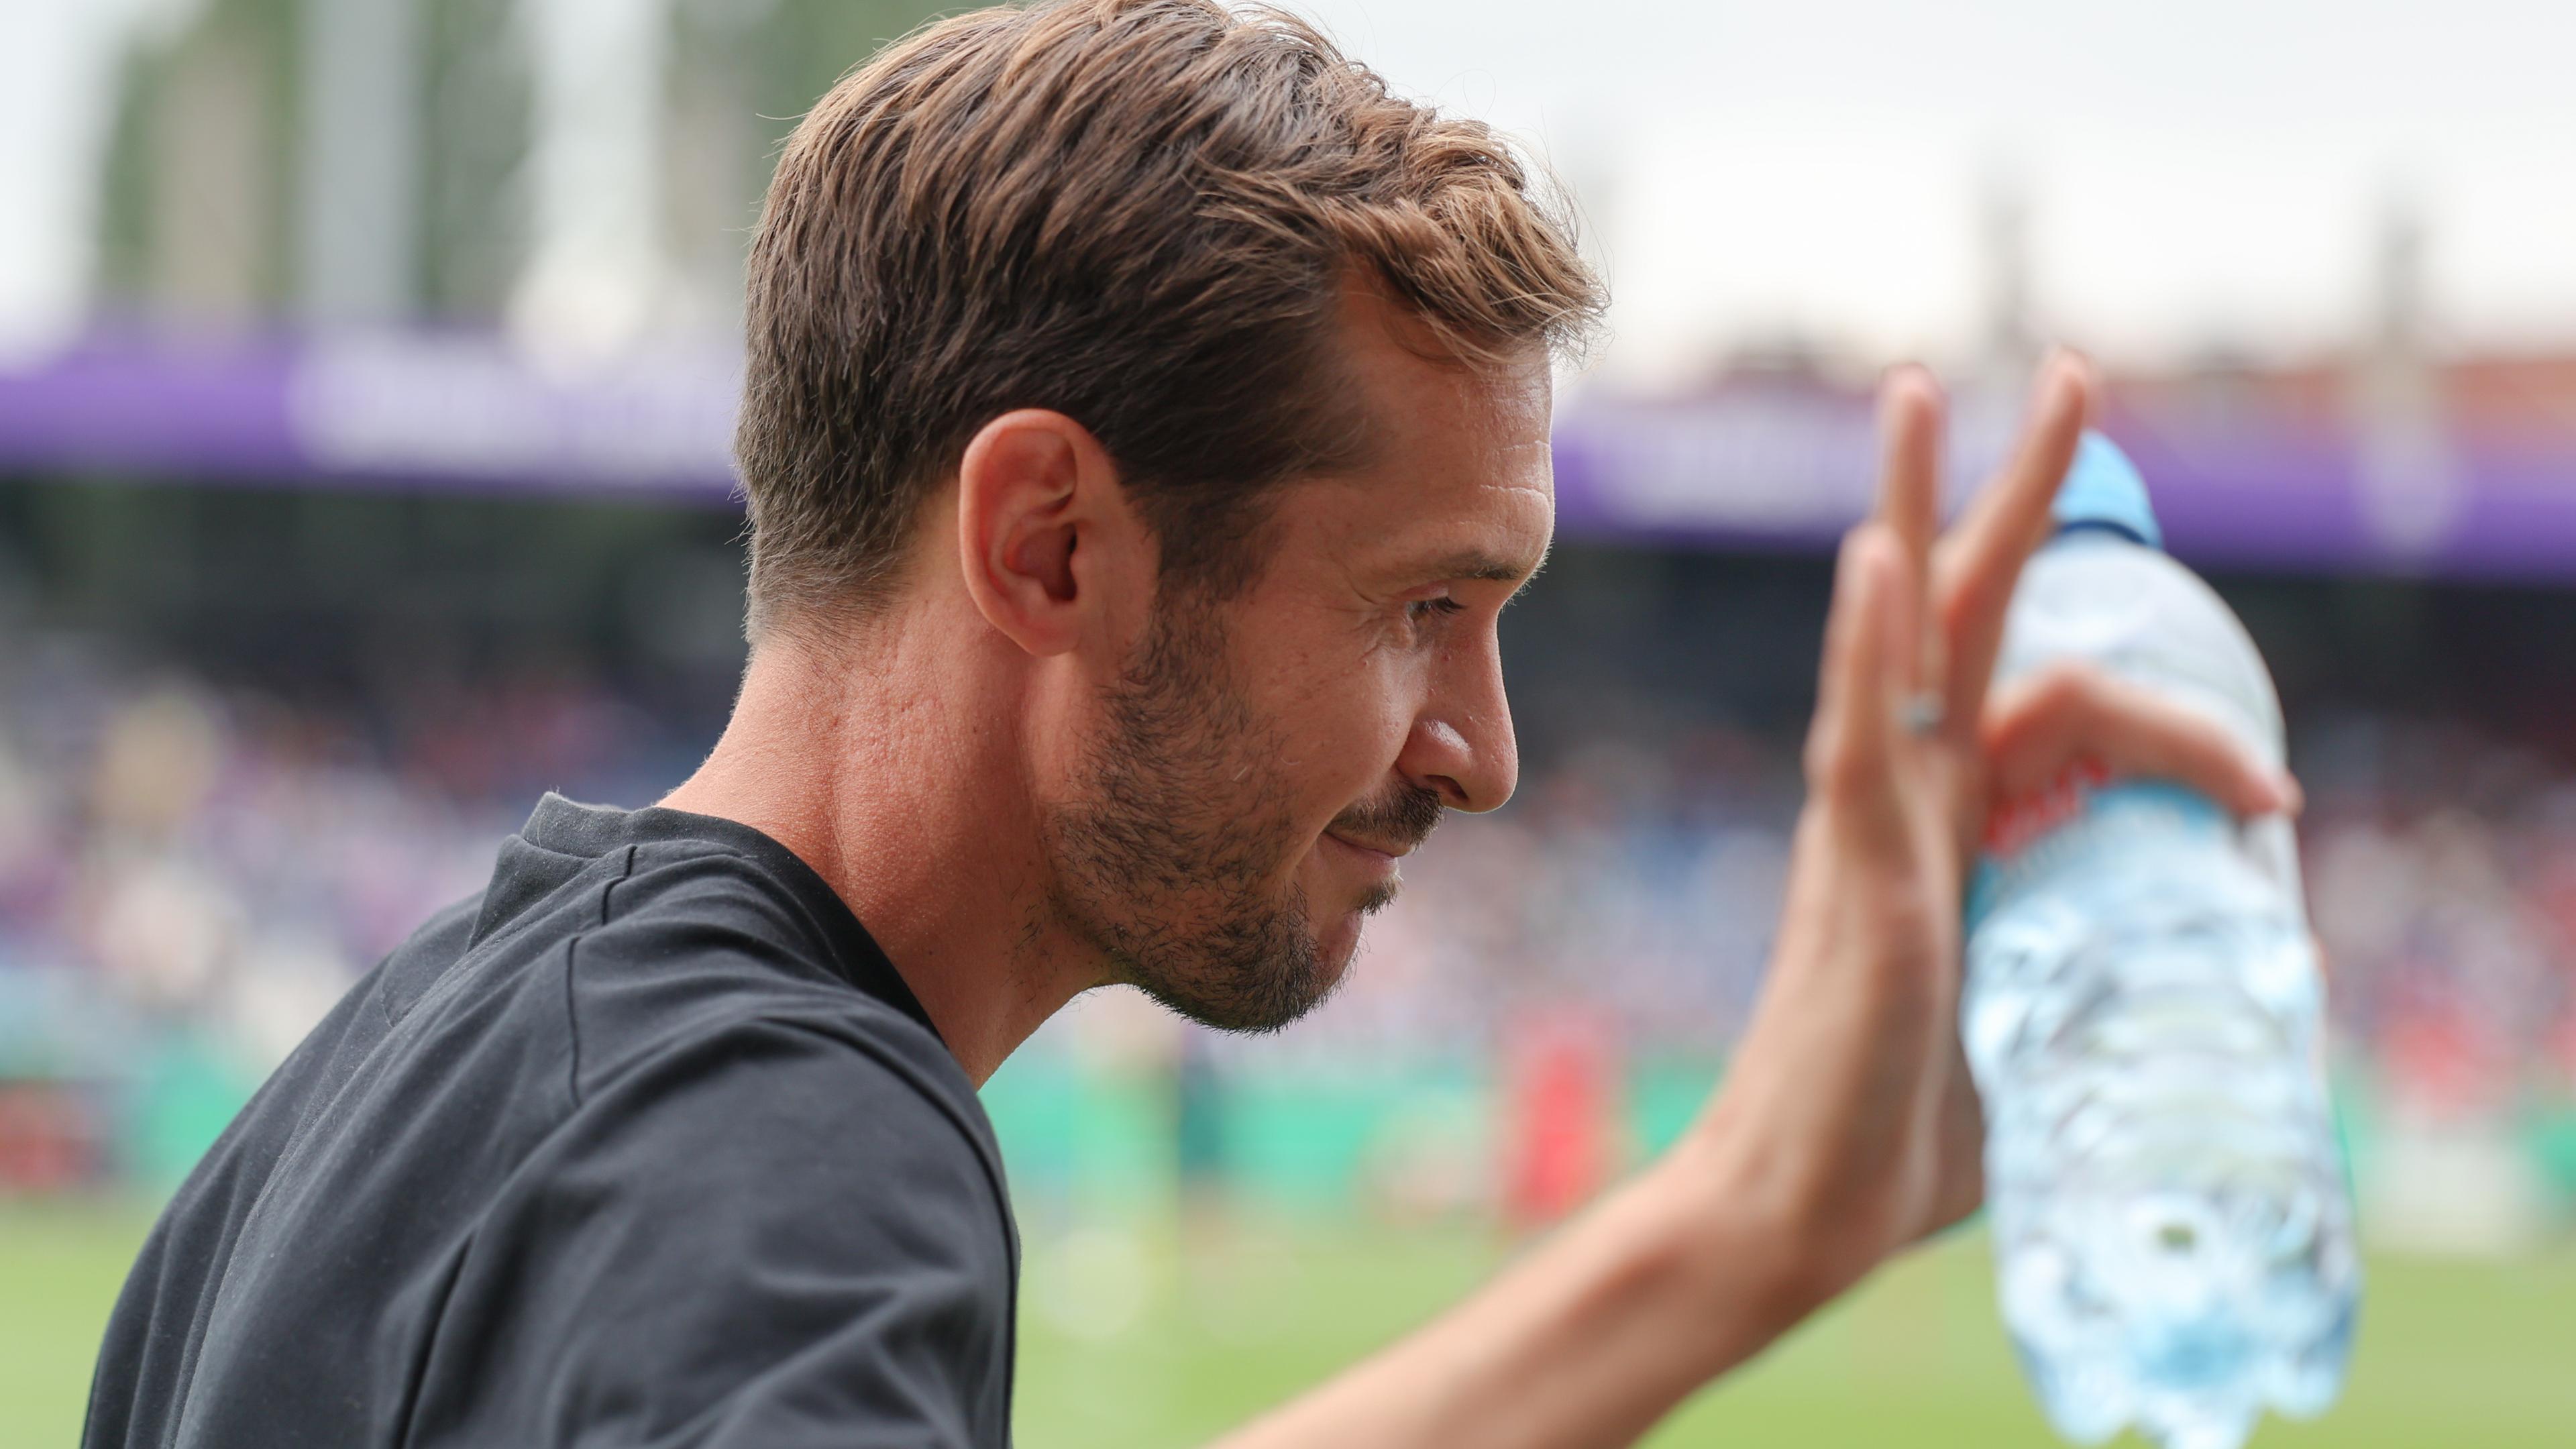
pixel 1909 495
pixel 1857 686
pixel 1982 558
pixel 2045 725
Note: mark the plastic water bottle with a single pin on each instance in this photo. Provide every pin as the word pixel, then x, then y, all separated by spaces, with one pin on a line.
pixel 2143 1012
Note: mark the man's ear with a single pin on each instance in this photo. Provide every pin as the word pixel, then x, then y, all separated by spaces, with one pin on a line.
pixel 1045 538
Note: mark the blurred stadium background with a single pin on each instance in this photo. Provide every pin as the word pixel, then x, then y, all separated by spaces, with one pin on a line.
pixel 365 372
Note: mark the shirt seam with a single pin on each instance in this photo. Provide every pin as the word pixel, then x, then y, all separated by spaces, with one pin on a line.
pixel 572 995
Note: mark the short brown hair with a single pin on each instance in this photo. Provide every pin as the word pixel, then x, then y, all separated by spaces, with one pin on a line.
pixel 1140 213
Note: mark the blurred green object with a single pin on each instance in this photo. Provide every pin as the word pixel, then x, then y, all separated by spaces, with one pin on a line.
pixel 188 1093
pixel 2553 1146
pixel 1665 1096
pixel 1087 1140
pixel 1215 1320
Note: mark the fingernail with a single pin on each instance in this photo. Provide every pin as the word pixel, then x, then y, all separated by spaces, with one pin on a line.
pixel 2066 366
pixel 2293 799
pixel 1907 384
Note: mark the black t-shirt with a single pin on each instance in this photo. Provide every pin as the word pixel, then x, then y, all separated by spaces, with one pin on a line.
pixel 649 1144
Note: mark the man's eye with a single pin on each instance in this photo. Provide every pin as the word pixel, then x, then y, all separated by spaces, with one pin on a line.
pixel 1421 610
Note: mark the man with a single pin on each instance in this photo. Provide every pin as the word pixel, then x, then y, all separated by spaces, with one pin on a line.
pixel 1147 419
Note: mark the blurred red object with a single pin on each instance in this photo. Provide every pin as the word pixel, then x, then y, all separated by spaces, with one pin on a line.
pixel 48 1140
pixel 2442 1067
pixel 1561 1094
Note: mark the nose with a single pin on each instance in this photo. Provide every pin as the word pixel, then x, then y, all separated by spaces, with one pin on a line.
pixel 1461 744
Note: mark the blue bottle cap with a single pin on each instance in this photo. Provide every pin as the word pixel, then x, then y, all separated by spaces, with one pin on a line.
pixel 2103 490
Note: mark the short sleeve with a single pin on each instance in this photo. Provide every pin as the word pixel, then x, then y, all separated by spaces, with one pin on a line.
pixel 778 1236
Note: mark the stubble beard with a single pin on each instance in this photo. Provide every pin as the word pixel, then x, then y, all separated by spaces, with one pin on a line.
pixel 1171 862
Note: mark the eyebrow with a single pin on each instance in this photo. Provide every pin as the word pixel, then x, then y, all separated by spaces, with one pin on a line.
pixel 1478 564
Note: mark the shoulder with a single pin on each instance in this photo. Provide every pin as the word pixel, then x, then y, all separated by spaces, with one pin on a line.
pixel 774 1224
pixel 692 1053
pixel 841 1115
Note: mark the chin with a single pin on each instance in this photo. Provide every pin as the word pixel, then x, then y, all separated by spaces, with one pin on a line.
pixel 1336 946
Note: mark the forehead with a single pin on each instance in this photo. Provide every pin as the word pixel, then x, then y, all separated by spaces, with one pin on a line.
pixel 1458 462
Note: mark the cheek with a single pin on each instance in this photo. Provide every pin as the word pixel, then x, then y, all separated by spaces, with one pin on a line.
pixel 1340 730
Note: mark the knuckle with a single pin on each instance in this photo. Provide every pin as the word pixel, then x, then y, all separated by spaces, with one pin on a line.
pixel 2066 688
pixel 1859 783
pixel 2059 705
pixel 1965 597
pixel 1818 760
pixel 1837 765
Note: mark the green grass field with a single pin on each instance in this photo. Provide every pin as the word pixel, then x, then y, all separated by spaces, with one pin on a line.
pixel 1144 1343
pixel 2452 1355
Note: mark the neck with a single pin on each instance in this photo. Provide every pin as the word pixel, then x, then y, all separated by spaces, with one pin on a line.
pixel 898 777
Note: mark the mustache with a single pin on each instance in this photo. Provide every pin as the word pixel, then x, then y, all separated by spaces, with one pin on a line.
pixel 1406 818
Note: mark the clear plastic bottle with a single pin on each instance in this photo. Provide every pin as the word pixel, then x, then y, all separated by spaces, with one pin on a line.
pixel 2144 1015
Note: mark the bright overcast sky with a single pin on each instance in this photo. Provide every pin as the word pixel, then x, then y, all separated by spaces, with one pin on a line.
pixel 2198 173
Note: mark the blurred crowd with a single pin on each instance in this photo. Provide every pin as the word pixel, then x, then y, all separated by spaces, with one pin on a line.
pixel 191 875
pixel 203 871
pixel 2442 877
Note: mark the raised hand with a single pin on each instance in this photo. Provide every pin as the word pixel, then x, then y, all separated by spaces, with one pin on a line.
pixel 1848 1114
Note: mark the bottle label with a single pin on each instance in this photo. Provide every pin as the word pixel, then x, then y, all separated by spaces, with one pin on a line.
pixel 2054 828
pixel 2013 828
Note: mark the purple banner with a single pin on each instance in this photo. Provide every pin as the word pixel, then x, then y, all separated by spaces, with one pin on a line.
pixel 1766 465
pixel 168 409
pixel 1770 466
pixel 408 410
